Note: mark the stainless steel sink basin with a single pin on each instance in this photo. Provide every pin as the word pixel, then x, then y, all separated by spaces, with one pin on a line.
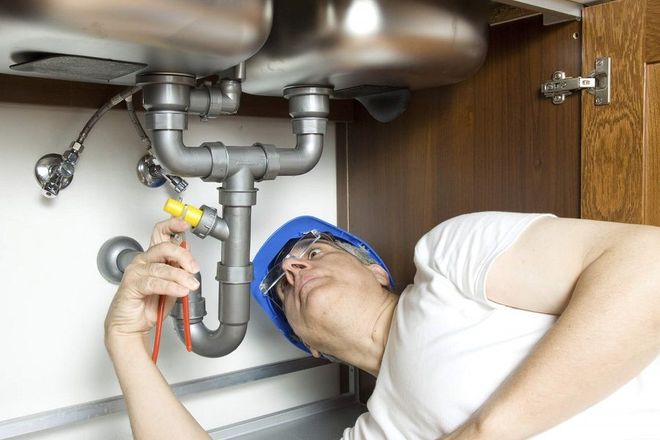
pixel 364 46
pixel 200 37
pixel 372 50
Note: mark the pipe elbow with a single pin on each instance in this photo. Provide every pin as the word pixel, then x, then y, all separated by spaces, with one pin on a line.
pixel 210 102
pixel 179 159
pixel 232 91
pixel 303 157
pixel 217 343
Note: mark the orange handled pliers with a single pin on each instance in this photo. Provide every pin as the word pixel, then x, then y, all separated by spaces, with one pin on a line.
pixel 161 315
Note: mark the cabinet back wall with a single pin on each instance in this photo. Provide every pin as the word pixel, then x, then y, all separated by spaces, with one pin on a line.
pixel 488 143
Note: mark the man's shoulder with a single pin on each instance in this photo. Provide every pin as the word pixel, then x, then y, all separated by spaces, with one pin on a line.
pixel 473 224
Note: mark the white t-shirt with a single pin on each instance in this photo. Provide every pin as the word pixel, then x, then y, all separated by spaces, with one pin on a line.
pixel 450 347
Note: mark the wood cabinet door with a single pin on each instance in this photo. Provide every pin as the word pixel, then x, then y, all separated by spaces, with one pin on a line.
pixel 621 141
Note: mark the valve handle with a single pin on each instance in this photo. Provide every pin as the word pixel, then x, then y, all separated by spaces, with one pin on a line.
pixel 191 214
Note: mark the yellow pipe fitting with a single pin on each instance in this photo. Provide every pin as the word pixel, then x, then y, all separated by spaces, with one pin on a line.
pixel 188 213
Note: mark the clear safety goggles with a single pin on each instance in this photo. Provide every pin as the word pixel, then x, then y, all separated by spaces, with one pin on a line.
pixel 298 249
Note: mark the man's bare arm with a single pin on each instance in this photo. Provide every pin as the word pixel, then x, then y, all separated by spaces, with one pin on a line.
pixel 154 411
pixel 603 279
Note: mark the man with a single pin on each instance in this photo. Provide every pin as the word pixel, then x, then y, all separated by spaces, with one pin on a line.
pixel 516 325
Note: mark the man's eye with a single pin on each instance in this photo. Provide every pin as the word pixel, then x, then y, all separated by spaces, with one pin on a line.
pixel 314 252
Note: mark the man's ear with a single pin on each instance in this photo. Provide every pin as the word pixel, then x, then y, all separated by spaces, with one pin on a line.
pixel 380 274
pixel 313 351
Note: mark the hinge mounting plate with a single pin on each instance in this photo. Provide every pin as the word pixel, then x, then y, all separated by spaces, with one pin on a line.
pixel 596 83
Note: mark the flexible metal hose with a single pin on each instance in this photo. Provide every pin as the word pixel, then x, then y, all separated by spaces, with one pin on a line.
pixel 104 108
pixel 136 122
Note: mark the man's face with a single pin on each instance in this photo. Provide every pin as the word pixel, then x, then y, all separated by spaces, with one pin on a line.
pixel 324 293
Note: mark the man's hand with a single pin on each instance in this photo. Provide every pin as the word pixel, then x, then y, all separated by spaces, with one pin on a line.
pixel 133 311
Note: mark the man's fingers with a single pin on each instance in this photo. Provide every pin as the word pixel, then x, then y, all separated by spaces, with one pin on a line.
pixel 165 269
pixel 163 230
pixel 172 254
pixel 161 279
pixel 149 285
pixel 169 273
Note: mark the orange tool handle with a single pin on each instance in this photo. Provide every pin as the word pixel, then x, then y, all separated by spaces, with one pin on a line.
pixel 186 313
pixel 159 327
pixel 161 315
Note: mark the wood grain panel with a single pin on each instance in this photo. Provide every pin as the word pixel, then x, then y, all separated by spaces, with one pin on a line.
pixel 341 139
pixel 612 136
pixel 652 176
pixel 652 32
pixel 342 216
pixel 488 143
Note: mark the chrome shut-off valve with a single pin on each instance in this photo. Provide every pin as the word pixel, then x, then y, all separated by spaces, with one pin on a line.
pixel 54 172
pixel 151 174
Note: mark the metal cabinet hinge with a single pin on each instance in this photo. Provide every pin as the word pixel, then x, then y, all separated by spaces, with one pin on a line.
pixel 597 83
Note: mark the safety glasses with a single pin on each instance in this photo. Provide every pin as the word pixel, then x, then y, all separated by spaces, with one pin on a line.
pixel 298 249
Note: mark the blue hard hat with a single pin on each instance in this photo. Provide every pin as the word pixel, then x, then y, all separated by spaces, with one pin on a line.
pixel 271 250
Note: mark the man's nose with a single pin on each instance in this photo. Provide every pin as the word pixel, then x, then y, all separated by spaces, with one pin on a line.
pixel 292 266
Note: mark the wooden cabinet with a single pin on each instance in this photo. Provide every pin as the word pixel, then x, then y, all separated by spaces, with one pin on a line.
pixel 491 142
pixel 621 142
